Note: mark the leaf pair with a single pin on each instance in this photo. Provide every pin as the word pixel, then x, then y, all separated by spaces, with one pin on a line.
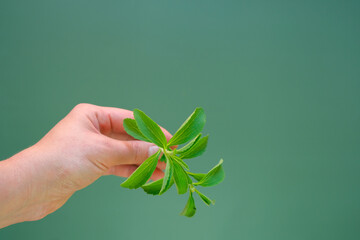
pixel 212 178
pixel 194 148
pixel 145 129
pixel 173 173
pixel 190 207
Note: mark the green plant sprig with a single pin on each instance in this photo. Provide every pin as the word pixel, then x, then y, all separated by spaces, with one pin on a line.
pixel 143 128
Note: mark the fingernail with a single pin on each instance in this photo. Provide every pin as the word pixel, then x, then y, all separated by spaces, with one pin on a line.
pixel 153 150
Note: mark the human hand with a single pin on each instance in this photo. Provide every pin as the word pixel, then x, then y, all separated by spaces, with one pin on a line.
pixel 88 143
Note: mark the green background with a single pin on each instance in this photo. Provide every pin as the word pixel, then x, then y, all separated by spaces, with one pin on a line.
pixel 279 82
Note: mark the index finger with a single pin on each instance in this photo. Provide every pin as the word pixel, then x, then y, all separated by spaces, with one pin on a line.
pixel 110 122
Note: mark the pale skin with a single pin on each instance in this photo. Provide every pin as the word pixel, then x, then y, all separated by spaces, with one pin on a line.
pixel 88 143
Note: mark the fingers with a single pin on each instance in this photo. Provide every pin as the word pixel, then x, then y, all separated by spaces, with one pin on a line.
pixel 129 152
pixel 127 170
pixel 158 174
pixel 110 120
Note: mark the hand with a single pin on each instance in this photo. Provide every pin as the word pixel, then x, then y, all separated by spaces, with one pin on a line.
pixel 88 143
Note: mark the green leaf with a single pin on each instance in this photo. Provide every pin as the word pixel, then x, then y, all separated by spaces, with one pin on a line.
pixel 190 128
pixel 179 161
pixel 190 208
pixel 149 128
pixel 155 187
pixel 206 200
pixel 180 178
pixel 213 177
pixel 196 149
pixel 142 173
pixel 169 171
pixel 197 176
pixel 132 129
pixel 189 145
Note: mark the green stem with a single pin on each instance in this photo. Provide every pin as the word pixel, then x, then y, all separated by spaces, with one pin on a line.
pixel 167 153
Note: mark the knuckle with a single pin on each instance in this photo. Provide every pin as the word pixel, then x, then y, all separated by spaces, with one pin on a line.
pixel 82 106
pixel 137 151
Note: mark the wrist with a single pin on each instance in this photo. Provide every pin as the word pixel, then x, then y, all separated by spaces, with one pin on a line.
pixel 14 189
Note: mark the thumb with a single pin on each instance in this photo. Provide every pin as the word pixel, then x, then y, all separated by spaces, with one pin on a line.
pixel 129 152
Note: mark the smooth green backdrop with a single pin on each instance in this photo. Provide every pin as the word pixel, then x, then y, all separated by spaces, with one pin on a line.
pixel 279 82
